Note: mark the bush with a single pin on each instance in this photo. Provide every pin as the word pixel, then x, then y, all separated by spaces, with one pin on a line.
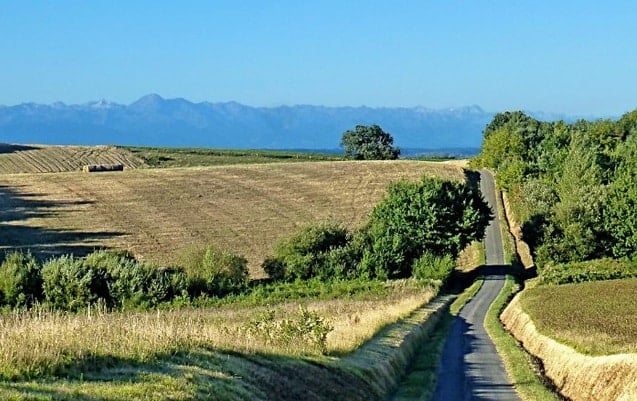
pixel 435 216
pixel 315 251
pixel 20 280
pixel 70 284
pixel 592 270
pixel 431 267
pixel 215 272
pixel 308 330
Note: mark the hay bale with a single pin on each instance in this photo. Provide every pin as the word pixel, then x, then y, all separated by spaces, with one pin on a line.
pixel 94 168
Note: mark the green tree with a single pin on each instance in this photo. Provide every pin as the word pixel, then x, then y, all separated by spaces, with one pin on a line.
pixel 430 216
pixel 369 143
pixel 620 209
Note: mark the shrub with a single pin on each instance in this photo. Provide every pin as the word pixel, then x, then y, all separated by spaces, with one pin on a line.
pixel 432 215
pixel 274 268
pixel 308 329
pixel 70 284
pixel 592 270
pixel 431 267
pixel 20 280
pixel 315 251
pixel 215 272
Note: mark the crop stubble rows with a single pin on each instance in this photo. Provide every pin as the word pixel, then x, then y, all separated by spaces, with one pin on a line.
pixel 156 213
pixel 16 159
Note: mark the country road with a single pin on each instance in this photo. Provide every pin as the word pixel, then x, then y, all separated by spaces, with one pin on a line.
pixel 470 368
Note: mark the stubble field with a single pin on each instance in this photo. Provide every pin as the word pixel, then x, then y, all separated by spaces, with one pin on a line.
pixel 159 213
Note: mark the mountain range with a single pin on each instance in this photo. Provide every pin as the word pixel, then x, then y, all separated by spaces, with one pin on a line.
pixel 155 121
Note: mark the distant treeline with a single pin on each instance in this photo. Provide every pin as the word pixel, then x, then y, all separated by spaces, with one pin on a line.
pixel 574 186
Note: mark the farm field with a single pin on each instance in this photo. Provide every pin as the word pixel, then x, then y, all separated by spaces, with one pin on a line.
pixel 597 318
pixel 157 214
pixel 198 157
pixel 52 159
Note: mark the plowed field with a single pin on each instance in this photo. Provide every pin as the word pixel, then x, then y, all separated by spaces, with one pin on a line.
pixel 156 213
pixel 52 159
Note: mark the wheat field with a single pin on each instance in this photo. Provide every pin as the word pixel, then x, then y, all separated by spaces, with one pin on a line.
pixel 159 213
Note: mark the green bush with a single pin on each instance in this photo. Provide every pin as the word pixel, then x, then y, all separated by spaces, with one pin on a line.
pixel 433 215
pixel 592 270
pixel 315 251
pixel 133 284
pixel 307 330
pixel 274 268
pixel 20 280
pixel 211 271
pixel 431 267
pixel 70 284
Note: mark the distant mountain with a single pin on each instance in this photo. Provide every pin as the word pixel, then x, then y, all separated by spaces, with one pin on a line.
pixel 155 121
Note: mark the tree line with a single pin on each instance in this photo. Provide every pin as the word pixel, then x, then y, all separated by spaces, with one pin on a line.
pixel 574 186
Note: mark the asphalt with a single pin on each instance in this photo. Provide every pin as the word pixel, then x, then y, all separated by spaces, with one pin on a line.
pixel 470 368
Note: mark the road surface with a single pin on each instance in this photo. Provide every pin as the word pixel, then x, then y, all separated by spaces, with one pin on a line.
pixel 470 367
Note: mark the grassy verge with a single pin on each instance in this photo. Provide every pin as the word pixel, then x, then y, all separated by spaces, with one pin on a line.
pixel 519 364
pixel 595 318
pixel 255 373
pixel 41 343
pixel 420 383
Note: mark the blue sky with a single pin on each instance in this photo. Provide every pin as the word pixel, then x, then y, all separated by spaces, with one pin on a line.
pixel 577 57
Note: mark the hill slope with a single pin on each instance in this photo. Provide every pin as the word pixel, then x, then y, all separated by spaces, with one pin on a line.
pixel 155 213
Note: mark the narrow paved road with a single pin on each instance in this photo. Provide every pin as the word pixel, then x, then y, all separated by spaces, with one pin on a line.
pixel 470 368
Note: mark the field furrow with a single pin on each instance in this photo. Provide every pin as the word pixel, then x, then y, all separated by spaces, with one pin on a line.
pixel 157 213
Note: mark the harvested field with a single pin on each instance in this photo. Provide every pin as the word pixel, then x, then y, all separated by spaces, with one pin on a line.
pixel 53 159
pixel 157 213
pixel 576 376
pixel 596 318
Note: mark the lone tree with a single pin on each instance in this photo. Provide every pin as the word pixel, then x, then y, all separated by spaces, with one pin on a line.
pixel 369 142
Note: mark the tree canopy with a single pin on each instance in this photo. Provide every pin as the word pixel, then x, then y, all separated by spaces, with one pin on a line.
pixel 573 186
pixel 369 142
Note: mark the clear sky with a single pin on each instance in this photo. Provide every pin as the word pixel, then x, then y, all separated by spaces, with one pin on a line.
pixel 577 57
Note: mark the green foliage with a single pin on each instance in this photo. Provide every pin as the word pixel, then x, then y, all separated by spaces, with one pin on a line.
pixel 434 216
pixel 620 208
pixel 20 280
pixel 592 270
pixel 189 157
pixel 369 143
pixel 212 271
pixel 315 251
pixel 430 267
pixel 70 284
pixel 574 186
pixel 308 329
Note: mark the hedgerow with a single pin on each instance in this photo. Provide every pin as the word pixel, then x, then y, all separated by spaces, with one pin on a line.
pixel 592 270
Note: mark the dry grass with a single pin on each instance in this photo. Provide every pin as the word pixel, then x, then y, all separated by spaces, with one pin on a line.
pixel 52 159
pixel 158 213
pixel 39 342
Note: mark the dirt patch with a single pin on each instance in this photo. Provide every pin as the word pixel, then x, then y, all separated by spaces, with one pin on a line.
pixel 576 376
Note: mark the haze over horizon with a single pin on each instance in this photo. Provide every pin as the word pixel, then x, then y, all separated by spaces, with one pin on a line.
pixel 569 58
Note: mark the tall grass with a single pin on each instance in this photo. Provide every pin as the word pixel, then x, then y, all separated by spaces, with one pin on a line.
pixel 42 342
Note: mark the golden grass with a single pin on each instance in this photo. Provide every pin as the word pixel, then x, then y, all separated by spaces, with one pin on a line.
pixel 157 213
pixel 52 159
pixel 38 341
